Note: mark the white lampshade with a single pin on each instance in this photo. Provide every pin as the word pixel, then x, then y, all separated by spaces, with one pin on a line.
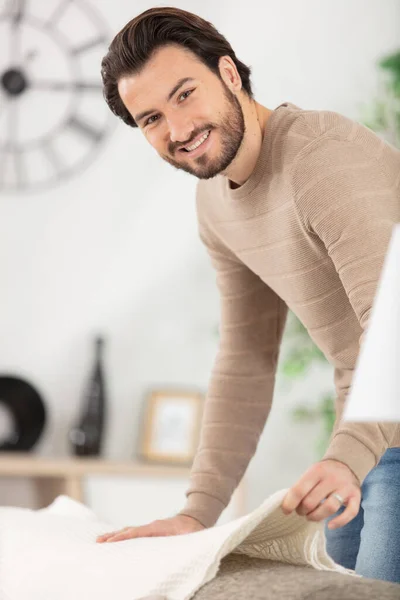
pixel 375 391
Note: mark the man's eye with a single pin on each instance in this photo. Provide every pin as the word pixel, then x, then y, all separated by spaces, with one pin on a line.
pixel 149 121
pixel 187 92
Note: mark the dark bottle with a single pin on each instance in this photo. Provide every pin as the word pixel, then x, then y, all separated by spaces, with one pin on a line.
pixel 87 436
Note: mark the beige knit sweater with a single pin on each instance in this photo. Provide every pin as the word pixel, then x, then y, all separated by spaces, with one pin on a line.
pixel 307 231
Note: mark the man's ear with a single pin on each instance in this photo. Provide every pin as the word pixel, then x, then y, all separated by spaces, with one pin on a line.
pixel 229 74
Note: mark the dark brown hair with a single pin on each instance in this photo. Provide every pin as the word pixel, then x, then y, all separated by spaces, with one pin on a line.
pixel 134 45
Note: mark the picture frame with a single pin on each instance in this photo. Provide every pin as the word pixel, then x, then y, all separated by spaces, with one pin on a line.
pixel 171 426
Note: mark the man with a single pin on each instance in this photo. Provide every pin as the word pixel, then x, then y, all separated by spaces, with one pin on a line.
pixel 296 209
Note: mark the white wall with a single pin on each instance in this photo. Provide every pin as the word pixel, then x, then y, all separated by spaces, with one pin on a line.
pixel 115 249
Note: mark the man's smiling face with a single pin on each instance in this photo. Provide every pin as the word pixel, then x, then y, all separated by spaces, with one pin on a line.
pixel 179 103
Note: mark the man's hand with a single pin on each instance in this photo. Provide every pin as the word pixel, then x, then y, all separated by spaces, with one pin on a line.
pixel 177 525
pixel 318 482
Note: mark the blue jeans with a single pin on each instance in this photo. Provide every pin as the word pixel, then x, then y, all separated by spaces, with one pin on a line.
pixel 370 543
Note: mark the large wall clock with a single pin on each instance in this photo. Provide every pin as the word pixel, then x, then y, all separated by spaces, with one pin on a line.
pixel 53 118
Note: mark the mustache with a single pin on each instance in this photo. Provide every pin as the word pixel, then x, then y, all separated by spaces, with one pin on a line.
pixel 176 147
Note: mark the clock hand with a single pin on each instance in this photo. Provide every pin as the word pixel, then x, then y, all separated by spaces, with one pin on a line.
pixel 11 143
pixel 11 125
pixel 57 86
pixel 16 19
pixel 19 12
pixel 3 106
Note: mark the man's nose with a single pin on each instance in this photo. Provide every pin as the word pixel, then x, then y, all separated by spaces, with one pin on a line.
pixel 180 132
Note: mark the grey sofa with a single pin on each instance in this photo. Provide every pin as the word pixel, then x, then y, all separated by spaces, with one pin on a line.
pixel 244 578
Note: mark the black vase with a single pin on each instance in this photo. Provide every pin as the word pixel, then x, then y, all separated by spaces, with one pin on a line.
pixel 87 436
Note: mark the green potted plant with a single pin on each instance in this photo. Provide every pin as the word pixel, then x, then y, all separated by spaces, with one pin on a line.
pixel 383 113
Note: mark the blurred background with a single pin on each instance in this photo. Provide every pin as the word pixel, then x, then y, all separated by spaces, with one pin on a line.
pixel 98 237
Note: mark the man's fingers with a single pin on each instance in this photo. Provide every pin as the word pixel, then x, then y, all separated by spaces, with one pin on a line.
pixel 119 537
pixel 131 532
pixel 296 493
pixel 330 505
pixel 319 501
pixel 318 485
pixel 351 511
pixel 105 536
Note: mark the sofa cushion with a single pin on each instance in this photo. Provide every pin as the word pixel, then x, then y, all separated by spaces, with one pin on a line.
pixel 243 578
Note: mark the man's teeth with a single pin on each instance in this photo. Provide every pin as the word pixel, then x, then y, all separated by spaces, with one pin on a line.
pixel 197 144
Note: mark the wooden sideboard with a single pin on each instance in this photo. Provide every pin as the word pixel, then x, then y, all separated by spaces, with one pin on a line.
pixel 55 476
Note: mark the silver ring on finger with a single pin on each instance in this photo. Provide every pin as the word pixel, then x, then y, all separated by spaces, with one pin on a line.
pixel 338 498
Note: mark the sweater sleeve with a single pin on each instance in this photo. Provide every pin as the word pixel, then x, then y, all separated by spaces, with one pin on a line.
pixel 240 390
pixel 349 199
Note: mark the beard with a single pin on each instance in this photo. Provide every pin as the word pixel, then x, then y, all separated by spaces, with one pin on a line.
pixel 231 128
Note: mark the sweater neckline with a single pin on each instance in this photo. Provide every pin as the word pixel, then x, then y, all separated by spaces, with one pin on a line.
pixel 251 183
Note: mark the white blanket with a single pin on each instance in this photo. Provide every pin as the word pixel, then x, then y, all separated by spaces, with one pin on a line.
pixel 52 553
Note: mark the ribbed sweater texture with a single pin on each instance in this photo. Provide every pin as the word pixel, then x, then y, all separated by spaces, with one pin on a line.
pixel 308 231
